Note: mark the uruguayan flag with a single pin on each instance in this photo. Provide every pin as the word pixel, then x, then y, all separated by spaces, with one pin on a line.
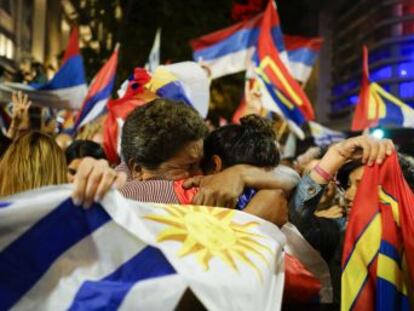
pixel 324 136
pixel 128 255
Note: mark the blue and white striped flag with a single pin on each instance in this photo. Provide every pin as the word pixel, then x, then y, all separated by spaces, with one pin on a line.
pixel 324 136
pixel 154 56
pixel 128 255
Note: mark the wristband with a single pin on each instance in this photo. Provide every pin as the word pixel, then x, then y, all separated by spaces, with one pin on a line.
pixel 321 172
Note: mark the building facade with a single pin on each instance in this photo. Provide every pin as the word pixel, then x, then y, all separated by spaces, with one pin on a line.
pixel 387 28
pixel 34 33
pixel 31 31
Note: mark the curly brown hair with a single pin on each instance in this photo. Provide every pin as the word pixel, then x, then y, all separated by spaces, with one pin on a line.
pixel 155 132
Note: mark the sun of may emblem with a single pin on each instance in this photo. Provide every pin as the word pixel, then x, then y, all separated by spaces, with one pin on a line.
pixel 210 232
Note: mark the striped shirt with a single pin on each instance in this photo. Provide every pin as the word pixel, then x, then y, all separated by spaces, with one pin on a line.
pixel 152 190
pixel 157 191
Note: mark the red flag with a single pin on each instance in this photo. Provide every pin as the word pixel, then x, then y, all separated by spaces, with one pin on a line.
pixel 72 48
pixel 118 111
pixel 378 256
pixel 360 120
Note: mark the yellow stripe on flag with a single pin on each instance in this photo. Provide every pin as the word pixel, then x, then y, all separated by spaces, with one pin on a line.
pixel 376 104
pixel 389 200
pixel 372 105
pixel 160 78
pixel 391 98
pixel 356 270
pixel 284 100
pixel 387 95
pixel 389 270
pixel 267 61
pixel 262 74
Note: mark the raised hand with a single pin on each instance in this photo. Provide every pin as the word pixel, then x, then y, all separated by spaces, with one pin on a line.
pixel 20 117
pixel 21 105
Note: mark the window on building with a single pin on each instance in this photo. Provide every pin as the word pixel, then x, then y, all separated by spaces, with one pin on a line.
pixel 6 46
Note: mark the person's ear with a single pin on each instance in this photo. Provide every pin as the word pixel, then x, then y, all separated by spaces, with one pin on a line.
pixel 217 163
pixel 136 170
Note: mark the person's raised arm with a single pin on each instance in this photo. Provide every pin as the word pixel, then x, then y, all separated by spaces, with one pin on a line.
pixel 310 189
pixel 364 148
pixel 20 117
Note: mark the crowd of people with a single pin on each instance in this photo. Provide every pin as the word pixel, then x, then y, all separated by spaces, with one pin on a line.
pixel 169 155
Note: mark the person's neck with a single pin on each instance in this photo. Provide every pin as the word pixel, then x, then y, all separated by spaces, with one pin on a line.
pixel 160 174
pixel 151 175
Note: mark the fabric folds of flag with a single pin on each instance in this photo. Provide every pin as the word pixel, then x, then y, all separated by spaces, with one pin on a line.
pixel 185 81
pixel 377 107
pixel 118 111
pixel 154 56
pixel 99 92
pixel 378 256
pixel 302 53
pixel 324 136
pixel 69 82
pixel 230 50
pixel 127 255
pixel 285 96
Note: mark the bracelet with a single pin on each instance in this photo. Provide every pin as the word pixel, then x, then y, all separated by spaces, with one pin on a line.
pixel 321 172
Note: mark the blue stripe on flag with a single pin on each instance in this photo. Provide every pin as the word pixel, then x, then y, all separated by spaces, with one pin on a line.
pixel 294 115
pixel 388 297
pixel 109 292
pixel 305 56
pixel 71 74
pixel 4 204
pixel 327 140
pixel 389 250
pixel 393 114
pixel 26 260
pixel 240 40
pixel 174 91
pixel 102 94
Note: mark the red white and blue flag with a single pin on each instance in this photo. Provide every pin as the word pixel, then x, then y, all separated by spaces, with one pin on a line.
pixel 230 50
pixel 69 83
pixel 99 92
pixel 302 53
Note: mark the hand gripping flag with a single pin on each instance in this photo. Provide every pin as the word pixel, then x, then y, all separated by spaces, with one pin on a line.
pixel 378 255
pixel 69 83
pixel 99 92
pixel 284 95
pixel 127 255
pixel 377 107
